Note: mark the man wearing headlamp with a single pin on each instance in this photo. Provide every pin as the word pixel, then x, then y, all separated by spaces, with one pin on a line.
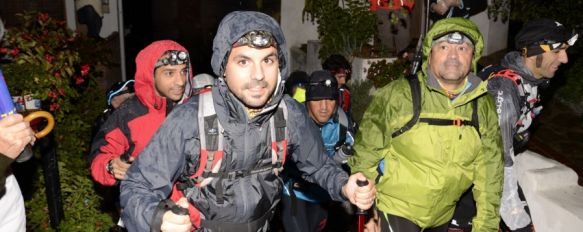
pixel 542 48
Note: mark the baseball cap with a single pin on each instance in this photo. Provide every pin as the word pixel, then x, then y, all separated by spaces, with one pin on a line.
pixel 543 35
pixel 322 85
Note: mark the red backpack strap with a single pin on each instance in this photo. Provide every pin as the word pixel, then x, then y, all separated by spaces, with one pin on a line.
pixel 279 137
pixel 508 74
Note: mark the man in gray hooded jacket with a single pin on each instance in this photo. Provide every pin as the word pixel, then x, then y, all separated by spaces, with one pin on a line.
pixel 250 59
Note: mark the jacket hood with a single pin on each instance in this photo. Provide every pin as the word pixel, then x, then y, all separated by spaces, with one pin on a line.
pixel 448 25
pixel 234 26
pixel 145 63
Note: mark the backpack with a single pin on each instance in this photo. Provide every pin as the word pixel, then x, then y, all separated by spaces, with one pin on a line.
pixel 520 139
pixel 211 154
pixel 416 96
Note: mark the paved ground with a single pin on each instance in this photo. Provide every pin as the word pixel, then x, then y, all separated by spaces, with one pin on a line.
pixel 559 135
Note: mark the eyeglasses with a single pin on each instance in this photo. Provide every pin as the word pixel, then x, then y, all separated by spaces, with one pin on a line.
pixel 256 39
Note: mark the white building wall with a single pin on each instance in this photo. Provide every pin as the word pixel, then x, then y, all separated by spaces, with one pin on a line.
pixel 110 19
pixel 296 31
pixel 495 33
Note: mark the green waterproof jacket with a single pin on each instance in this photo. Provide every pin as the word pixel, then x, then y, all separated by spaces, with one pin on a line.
pixel 428 167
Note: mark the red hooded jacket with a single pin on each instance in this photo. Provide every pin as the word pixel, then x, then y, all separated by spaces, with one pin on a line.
pixel 129 129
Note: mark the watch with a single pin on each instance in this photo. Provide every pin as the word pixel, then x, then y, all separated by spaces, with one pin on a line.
pixel 109 167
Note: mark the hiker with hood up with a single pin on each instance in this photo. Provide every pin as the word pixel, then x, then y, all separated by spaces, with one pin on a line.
pixel 162 80
pixel 451 140
pixel 226 178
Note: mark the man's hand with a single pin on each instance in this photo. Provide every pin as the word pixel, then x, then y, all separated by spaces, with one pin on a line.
pixel 174 222
pixel 363 197
pixel 120 167
pixel 15 134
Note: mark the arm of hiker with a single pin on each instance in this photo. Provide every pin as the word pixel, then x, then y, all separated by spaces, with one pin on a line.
pixel 488 169
pixel 150 178
pixel 109 144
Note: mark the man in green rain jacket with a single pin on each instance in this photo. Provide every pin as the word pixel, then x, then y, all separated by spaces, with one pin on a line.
pixel 450 145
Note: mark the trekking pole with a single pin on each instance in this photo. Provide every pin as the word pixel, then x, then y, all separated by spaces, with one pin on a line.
pixel 361 213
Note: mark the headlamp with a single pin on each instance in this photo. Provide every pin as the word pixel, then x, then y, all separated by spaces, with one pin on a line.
pixel 327 83
pixel 172 57
pixel 453 38
pixel 256 39
pixel 549 45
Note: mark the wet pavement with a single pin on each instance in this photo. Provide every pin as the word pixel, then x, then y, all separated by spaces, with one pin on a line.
pixel 558 134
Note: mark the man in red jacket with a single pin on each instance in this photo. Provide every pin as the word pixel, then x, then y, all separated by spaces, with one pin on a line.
pixel 162 80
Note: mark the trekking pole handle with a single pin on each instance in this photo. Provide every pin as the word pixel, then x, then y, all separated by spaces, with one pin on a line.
pixel 361 183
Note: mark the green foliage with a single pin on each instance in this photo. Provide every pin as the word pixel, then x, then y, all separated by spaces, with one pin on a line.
pixel 342 30
pixel 524 10
pixel 383 72
pixel 58 66
pixel 360 98
pixel 79 200
pixel 572 90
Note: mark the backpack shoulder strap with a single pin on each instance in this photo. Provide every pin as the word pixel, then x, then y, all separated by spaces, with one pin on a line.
pixel 475 122
pixel 416 96
pixel 211 139
pixel 344 124
pixel 279 137
pixel 508 74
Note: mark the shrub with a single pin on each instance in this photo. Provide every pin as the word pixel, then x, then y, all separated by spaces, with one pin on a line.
pixel 57 66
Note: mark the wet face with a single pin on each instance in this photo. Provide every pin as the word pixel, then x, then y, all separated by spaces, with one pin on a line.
pixel 549 63
pixel 170 81
pixel 321 110
pixel 450 63
pixel 251 74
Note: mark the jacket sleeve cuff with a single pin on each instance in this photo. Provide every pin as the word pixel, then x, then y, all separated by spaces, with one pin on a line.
pixel 100 173
pixel 157 216
pixel 343 180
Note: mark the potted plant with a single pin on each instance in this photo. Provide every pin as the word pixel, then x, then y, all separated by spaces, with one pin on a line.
pixel 342 29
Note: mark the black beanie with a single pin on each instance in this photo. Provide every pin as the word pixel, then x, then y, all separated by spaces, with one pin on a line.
pixel 322 85
pixel 541 32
